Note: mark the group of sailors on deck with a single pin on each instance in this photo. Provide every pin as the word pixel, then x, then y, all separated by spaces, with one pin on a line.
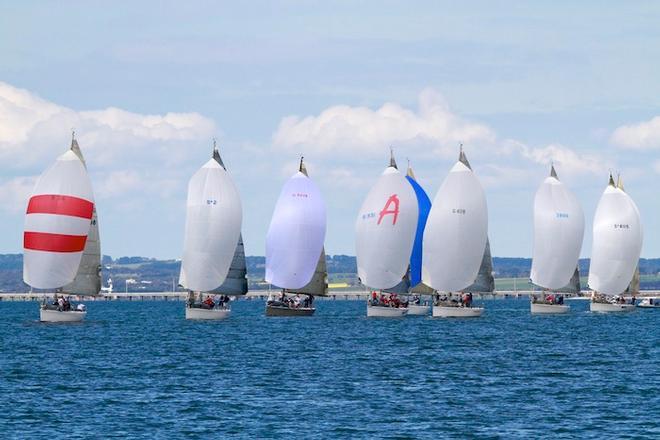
pixel 210 302
pixel 293 302
pixel 604 299
pixel 450 300
pixel 551 298
pixel 390 300
pixel 62 304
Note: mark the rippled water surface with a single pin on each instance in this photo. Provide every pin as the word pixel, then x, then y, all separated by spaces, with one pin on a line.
pixel 138 369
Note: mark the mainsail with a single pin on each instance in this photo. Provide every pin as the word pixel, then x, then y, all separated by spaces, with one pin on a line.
pixel 456 231
pixel 617 242
pixel 558 233
pixel 485 282
pixel 57 223
pixel 236 282
pixel 296 233
pixel 633 287
pixel 213 228
pixel 573 285
pixel 385 230
pixel 88 277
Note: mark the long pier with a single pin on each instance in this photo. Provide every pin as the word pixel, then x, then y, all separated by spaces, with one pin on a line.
pixel 262 295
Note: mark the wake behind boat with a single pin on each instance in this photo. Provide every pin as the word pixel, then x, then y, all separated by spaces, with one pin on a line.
pixel 212 243
pixel 61 240
pixel 295 257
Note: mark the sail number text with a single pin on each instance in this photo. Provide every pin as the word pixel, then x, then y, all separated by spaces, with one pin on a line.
pixel 458 211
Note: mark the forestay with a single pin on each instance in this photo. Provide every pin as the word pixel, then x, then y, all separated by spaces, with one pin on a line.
pixel 558 233
pixel 213 227
pixel 57 223
pixel 296 234
pixel 385 231
pixel 456 232
pixel 617 242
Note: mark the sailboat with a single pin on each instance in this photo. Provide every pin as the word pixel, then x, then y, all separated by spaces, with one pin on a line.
pixel 558 233
pixel 455 240
pixel 295 258
pixel 416 308
pixel 212 236
pixel 385 234
pixel 617 244
pixel 61 239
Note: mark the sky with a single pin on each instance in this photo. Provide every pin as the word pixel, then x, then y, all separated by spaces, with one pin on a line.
pixel 148 85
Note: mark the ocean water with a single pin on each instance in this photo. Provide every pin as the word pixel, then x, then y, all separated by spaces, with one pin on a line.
pixel 139 370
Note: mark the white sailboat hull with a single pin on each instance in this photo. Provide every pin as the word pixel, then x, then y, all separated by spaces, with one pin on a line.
pixel 207 314
pixel 386 312
pixel 611 307
pixel 457 312
pixel 417 310
pixel 57 316
pixel 549 309
pixel 646 304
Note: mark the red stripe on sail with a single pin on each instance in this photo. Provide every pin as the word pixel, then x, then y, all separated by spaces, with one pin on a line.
pixel 45 241
pixel 62 205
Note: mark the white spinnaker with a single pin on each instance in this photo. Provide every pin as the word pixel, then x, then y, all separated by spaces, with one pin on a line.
pixel 213 225
pixel 296 234
pixel 385 231
pixel 57 223
pixel 456 232
pixel 558 233
pixel 617 242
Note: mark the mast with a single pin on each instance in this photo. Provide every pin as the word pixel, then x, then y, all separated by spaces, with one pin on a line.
pixel 88 278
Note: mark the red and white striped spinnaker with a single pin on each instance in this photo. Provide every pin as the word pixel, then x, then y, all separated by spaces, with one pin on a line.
pixel 57 223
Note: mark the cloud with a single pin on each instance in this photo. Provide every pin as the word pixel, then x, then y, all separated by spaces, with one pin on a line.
pixel 14 193
pixel 33 129
pixel 344 129
pixel 565 159
pixel 641 136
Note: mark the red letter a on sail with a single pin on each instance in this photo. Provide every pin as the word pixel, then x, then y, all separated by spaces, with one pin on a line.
pixel 393 200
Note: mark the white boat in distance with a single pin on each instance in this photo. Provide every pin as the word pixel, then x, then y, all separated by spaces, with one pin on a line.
pixel 617 244
pixel 455 238
pixel 558 233
pixel 384 235
pixel 212 237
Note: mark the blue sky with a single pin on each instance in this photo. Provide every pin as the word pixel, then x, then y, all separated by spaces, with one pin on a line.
pixel 147 85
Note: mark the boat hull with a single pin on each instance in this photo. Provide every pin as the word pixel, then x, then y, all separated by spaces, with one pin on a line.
pixel 646 304
pixel 57 316
pixel 288 311
pixel 417 310
pixel 457 312
pixel 611 308
pixel 207 314
pixel 386 312
pixel 549 309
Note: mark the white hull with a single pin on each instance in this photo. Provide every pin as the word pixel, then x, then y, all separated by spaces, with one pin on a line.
pixel 416 310
pixel 386 312
pixel 549 309
pixel 207 314
pixel 457 312
pixel 646 304
pixel 57 316
pixel 611 308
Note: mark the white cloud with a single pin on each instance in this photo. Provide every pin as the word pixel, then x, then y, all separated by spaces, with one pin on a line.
pixel 33 129
pixel 565 159
pixel 342 129
pixel 14 193
pixel 641 136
